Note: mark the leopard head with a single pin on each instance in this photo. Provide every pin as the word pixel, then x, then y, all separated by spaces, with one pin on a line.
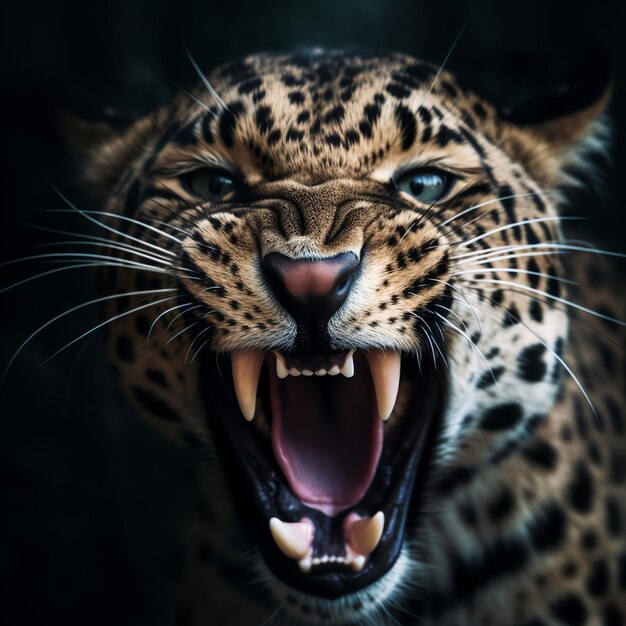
pixel 351 242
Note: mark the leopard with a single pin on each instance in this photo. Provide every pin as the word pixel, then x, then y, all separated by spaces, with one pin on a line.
pixel 341 280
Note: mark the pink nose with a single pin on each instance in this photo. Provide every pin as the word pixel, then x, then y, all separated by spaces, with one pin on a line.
pixel 313 287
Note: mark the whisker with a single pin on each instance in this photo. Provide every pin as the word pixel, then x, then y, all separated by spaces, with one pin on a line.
pixel 202 332
pixel 534 220
pixel 471 308
pixel 487 202
pixel 180 332
pixel 428 332
pixel 72 310
pixel 488 270
pixel 108 321
pixel 192 97
pixel 449 53
pixel 158 317
pixel 489 259
pixel 112 246
pixel 445 308
pixel 77 266
pixel 573 315
pixel 94 238
pixel 555 355
pixel 123 218
pixel 197 306
pixel 548 295
pixel 87 215
pixel 468 339
pixel 552 245
pixel 205 81
pixel 81 255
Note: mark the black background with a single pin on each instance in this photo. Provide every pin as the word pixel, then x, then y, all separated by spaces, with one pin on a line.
pixel 89 495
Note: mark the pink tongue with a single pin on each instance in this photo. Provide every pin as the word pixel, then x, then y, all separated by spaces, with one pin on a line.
pixel 326 436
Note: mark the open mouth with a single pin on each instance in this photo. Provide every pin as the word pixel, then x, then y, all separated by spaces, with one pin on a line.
pixel 327 458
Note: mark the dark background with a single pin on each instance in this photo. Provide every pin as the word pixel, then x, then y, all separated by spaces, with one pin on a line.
pixel 89 496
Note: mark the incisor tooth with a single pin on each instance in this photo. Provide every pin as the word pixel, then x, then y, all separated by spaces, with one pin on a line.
pixel 246 366
pixel 294 372
pixel 307 373
pixel 293 539
pixel 320 372
pixel 364 534
pixel 334 370
pixel 281 367
pixel 385 369
pixel 347 368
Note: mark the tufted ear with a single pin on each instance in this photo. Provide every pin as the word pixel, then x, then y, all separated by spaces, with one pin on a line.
pixel 555 133
pixel 104 148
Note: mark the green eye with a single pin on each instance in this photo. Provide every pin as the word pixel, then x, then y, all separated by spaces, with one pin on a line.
pixel 209 184
pixel 427 186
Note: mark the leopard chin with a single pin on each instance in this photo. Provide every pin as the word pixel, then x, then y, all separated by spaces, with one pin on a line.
pixel 329 455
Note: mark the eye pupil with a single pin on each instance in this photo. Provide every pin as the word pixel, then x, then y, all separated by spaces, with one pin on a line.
pixel 417 186
pixel 216 185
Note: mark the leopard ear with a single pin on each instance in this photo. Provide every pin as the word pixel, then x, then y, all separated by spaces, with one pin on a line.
pixel 104 146
pixel 556 134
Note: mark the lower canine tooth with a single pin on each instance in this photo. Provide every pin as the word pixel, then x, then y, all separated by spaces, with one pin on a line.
pixel 304 565
pixel 385 369
pixel 364 534
pixel 246 366
pixel 293 539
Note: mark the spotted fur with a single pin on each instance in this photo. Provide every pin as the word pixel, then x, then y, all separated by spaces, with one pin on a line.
pixel 525 513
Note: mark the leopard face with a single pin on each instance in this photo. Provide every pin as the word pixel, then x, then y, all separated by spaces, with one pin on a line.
pixel 342 250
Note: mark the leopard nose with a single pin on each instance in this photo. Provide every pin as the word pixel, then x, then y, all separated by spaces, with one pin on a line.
pixel 311 288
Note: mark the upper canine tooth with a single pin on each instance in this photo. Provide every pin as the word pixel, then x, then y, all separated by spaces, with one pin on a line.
pixel 347 369
pixel 364 534
pixel 385 369
pixel 293 539
pixel 246 365
pixel 281 367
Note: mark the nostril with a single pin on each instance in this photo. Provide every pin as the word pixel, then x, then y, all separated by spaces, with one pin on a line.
pixel 316 287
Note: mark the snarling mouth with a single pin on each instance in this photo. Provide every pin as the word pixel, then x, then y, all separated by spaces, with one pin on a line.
pixel 327 458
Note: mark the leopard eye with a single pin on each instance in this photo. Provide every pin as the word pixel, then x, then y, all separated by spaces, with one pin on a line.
pixel 210 184
pixel 427 186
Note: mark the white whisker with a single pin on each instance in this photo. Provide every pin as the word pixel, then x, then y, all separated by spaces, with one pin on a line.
pixel 78 266
pixel 511 270
pixel 123 218
pixel 112 246
pixel 108 321
pixel 206 83
pixel 158 317
pixel 86 214
pixel 534 220
pixel 72 310
pixel 548 295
